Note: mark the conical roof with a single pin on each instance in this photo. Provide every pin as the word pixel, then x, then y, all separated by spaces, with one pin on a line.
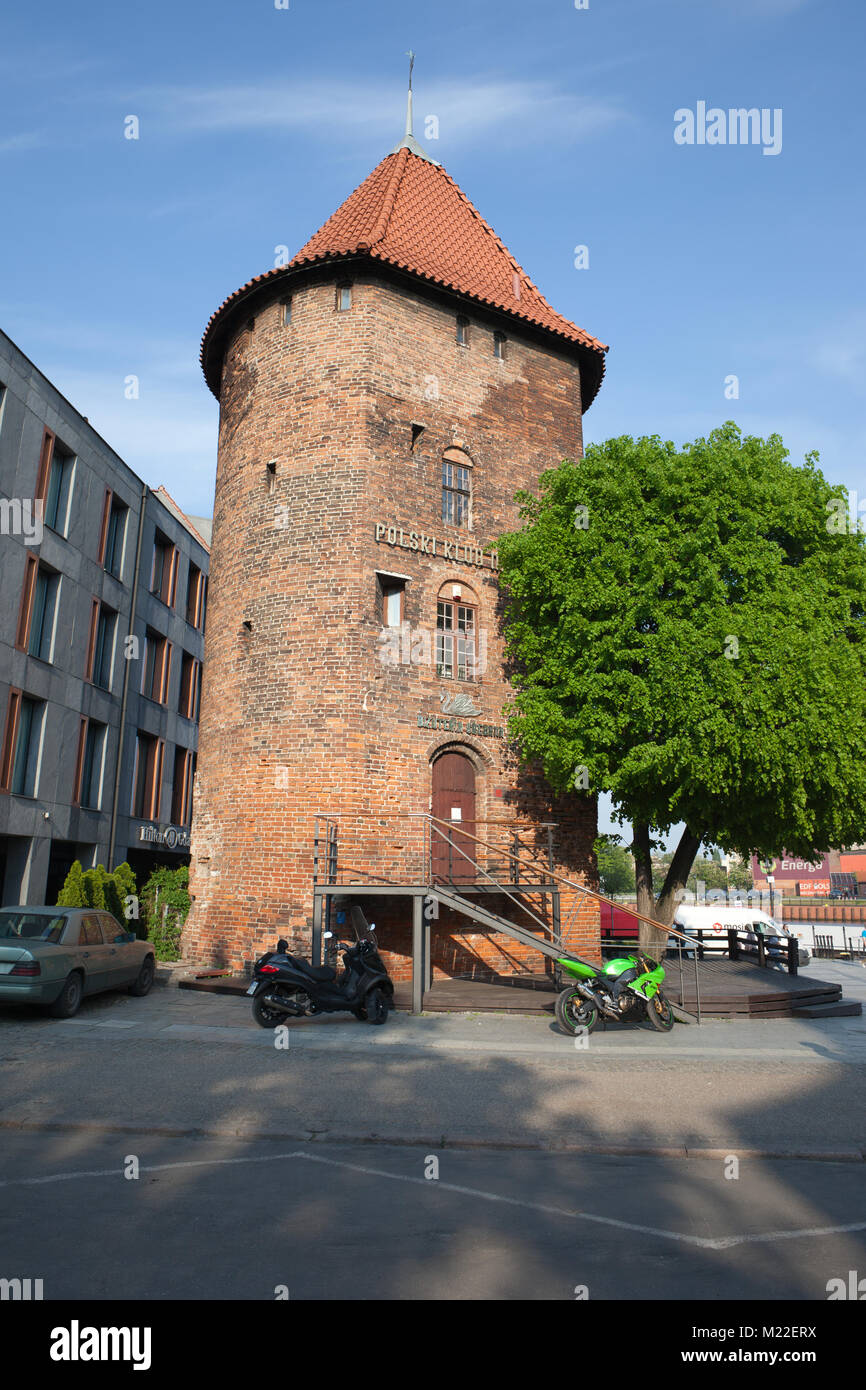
pixel 410 214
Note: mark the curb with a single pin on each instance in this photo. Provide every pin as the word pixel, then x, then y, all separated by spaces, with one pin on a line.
pixel 438 1141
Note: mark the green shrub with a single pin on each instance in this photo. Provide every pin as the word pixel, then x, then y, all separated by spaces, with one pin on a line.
pixel 72 893
pixel 165 902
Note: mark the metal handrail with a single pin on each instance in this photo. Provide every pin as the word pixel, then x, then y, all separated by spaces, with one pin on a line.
pixel 589 892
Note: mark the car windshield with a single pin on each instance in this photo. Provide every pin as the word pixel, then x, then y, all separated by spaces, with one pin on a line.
pixel 33 926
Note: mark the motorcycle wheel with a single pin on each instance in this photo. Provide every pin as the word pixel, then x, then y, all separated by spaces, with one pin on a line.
pixel 376 1006
pixel 266 1016
pixel 660 1013
pixel 574 1014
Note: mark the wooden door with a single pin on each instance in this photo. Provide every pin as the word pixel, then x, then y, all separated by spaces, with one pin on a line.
pixel 454 803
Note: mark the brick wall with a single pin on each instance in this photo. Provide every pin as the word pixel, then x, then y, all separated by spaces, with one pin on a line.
pixel 299 712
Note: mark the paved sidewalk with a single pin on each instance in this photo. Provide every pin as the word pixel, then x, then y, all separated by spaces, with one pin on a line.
pixel 170 1013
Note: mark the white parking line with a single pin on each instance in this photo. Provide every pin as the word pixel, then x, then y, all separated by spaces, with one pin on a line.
pixel 568 1214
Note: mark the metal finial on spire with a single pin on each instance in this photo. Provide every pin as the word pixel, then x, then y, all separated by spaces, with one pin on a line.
pixel 409 142
pixel 409 122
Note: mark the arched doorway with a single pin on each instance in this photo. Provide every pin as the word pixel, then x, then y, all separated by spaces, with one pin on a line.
pixel 453 802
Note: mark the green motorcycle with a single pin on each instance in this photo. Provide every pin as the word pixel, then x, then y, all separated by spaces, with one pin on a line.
pixel 628 987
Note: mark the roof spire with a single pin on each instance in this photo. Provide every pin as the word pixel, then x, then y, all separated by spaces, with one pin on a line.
pixel 409 142
pixel 409 132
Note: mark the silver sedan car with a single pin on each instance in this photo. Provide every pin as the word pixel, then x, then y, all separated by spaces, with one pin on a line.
pixel 56 955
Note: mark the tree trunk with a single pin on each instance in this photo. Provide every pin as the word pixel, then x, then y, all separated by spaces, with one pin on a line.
pixel 677 876
pixel 653 940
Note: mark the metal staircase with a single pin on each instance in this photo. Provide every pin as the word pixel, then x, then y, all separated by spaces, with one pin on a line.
pixel 407 862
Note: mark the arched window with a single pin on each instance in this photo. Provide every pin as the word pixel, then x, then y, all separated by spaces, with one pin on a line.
pixel 456 488
pixel 457 633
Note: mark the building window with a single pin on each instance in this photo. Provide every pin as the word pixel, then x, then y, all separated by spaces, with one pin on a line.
pixel 26 744
pixel 195 596
pixel 392 604
pixel 25 608
pixel 190 686
pixel 462 331
pixel 147 783
pixel 59 485
pixel 286 309
pixel 103 647
pixel 499 341
pixel 455 641
pixel 88 773
pixel 163 572
pixel 181 792
pixel 10 734
pixel 115 534
pixel 456 488
pixel 157 667
pixel 43 613
pixel 344 298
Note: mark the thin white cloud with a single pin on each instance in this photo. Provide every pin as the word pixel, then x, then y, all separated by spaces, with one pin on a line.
pixel 168 435
pixel 25 140
pixel 465 110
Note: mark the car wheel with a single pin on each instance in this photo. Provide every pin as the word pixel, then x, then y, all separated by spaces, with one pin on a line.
pixel 144 979
pixel 68 1000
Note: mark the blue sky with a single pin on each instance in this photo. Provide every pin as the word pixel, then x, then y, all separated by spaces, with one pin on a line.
pixel 256 122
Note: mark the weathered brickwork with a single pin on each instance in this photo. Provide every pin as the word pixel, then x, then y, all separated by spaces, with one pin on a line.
pixel 300 713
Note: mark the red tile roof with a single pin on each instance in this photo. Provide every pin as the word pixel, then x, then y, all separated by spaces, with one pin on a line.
pixel 410 214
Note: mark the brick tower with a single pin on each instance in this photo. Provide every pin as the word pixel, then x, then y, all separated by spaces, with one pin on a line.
pixel 383 396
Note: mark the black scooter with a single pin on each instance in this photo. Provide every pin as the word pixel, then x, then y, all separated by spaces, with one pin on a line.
pixel 284 986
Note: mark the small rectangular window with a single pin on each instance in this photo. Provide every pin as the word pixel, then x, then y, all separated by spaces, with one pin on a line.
pixel 344 297
pixel 286 308
pixel 157 667
pixel 499 341
pixel 181 792
pixel 90 795
pixel 25 608
pixel 29 737
pixel 10 735
pixel 114 538
pixel 103 649
pixel 392 605
pixel 190 685
pixel 147 786
pixel 194 596
pixel 462 331
pixel 59 487
pixel 41 640
pixel 163 573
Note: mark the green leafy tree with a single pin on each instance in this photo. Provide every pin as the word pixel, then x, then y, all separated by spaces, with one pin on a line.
pixel 615 866
pixel 687 633
pixel 72 893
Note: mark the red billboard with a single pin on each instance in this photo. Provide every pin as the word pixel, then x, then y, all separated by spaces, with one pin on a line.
pixel 785 869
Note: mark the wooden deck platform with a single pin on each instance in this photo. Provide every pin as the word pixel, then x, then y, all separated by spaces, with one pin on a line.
pixel 729 989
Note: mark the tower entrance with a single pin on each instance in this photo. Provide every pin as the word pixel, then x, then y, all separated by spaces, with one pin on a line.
pixel 453 802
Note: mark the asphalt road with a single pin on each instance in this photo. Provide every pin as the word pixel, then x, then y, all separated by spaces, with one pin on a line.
pixel 558 1168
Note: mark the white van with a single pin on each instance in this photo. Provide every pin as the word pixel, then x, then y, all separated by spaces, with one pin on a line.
pixel 714 919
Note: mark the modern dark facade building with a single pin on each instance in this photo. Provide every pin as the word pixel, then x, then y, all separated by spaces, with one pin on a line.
pixel 103 585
